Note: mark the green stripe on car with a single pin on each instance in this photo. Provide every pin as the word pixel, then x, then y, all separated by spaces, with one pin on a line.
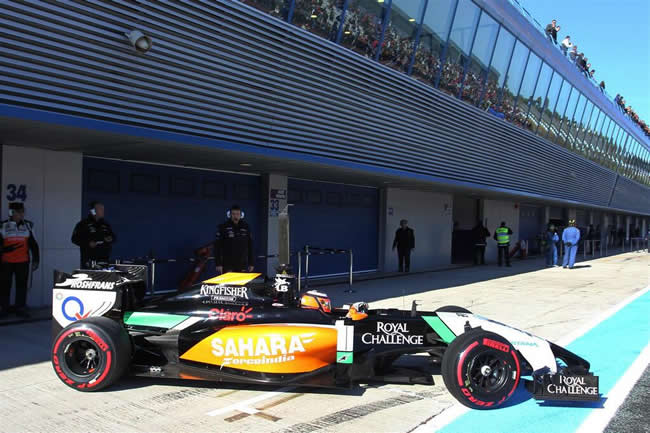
pixel 441 329
pixel 153 320
pixel 344 357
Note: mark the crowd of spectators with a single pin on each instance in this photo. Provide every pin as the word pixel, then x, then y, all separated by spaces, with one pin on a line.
pixel 582 63
pixel 362 30
pixel 629 111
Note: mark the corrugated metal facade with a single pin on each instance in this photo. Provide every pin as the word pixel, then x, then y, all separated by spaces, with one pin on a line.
pixel 221 70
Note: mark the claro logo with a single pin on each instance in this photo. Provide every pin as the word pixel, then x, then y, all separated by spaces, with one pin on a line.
pixel 268 348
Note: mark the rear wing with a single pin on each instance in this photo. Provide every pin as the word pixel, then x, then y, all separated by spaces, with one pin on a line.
pixel 93 293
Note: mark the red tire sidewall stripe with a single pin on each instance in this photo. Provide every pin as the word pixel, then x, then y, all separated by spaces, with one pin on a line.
pixel 100 343
pixel 459 369
pixel 514 355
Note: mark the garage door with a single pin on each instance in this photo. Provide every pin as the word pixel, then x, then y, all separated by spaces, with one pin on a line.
pixel 530 224
pixel 167 211
pixel 329 215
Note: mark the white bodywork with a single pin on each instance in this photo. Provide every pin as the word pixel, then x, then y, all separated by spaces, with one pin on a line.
pixel 71 305
pixel 536 350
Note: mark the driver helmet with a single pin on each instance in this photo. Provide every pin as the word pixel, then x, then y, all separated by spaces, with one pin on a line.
pixel 316 301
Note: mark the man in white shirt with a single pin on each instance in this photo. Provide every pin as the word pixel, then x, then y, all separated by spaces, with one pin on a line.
pixel 566 45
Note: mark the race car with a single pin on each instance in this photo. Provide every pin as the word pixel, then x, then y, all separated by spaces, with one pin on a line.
pixel 248 328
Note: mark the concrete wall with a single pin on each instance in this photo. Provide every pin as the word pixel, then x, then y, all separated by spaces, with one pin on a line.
pixel 430 215
pixel 52 185
pixel 495 211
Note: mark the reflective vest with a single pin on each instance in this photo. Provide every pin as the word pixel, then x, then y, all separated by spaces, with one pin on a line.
pixel 502 236
pixel 15 238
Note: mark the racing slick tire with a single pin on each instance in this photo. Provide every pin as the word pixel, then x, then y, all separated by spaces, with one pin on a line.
pixel 452 309
pixel 91 354
pixel 481 369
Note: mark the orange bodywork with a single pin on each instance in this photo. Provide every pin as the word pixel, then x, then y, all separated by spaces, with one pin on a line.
pixel 273 348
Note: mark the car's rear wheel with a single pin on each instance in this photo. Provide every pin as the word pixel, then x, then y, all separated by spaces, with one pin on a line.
pixel 481 369
pixel 91 354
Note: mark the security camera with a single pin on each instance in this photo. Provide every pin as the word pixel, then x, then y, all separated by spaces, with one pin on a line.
pixel 139 41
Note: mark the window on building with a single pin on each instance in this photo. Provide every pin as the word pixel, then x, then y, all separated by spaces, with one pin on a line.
pixel 497 71
pixel 513 80
pixel 565 122
pixel 601 144
pixel 549 104
pixel 460 44
pixel 622 147
pixel 594 143
pixel 539 97
pixel 362 27
pixel 573 121
pixel 399 38
pixel 582 128
pixel 558 113
pixel 433 37
pixel 486 36
pixel 589 133
pixel 526 92
pixel 321 18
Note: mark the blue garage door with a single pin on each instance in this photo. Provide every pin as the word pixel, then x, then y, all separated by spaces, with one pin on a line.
pixel 328 215
pixel 167 211
pixel 530 224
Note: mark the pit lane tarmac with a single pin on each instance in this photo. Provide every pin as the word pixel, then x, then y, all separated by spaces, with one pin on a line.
pixel 550 302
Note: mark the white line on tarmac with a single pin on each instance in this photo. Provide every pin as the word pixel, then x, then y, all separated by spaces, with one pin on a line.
pixel 598 420
pixel 456 410
pixel 244 406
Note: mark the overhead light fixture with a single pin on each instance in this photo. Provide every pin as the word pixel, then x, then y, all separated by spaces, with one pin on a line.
pixel 347 32
pixel 139 41
pixel 314 16
pixel 411 20
pixel 380 1
pixel 246 164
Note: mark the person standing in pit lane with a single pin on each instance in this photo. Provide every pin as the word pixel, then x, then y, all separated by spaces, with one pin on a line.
pixel 94 236
pixel 233 245
pixel 16 242
pixel 404 242
pixel 570 238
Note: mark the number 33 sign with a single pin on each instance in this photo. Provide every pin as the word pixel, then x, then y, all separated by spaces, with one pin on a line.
pixel 16 192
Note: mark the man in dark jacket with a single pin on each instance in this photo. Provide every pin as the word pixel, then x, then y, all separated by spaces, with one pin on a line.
pixel 94 236
pixel 16 243
pixel 233 246
pixel 479 234
pixel 551 31
pixel 404 242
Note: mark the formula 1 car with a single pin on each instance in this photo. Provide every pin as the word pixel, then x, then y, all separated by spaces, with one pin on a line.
pixel 247 328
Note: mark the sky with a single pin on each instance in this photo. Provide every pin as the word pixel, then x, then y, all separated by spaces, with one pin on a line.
pixel 614 35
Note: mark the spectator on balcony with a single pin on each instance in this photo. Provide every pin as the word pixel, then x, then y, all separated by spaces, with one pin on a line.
pixel 602 86
pixel 573 55
pixel 551 31
pixel 566 44
pixel 591 73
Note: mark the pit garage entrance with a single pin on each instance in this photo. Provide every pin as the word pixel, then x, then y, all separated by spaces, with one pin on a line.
pixel 168 212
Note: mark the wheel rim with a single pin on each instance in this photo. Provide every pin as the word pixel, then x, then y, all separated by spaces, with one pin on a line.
pixel 82 357
pixel 488 372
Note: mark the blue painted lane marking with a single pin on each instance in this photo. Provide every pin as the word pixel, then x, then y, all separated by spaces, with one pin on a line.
pixel 611 347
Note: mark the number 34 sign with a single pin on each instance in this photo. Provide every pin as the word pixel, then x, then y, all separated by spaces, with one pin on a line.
pixel 16 192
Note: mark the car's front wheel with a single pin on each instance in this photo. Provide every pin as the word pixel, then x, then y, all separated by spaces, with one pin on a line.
pixel 91 354
pixel 481 369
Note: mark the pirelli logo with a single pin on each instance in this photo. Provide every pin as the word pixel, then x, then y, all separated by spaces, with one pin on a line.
pixel 496 345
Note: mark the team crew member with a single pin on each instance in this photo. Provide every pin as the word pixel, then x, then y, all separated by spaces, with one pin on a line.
pixel 16 242
pixel 233 246
pixel 404 242
pixel 480 234
pixel 94 236
pixel 570 238
pixel 502 236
